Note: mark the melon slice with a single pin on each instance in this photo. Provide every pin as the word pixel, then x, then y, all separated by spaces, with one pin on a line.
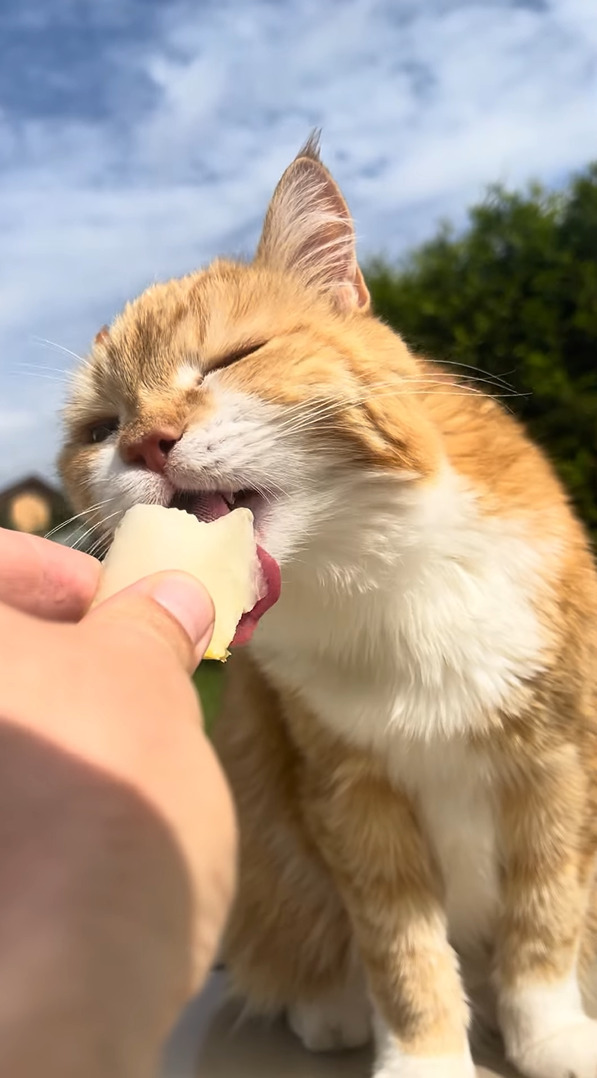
pixel 222 555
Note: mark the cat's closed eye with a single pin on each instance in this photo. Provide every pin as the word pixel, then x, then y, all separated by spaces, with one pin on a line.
pixel 240 353
pixel 102 430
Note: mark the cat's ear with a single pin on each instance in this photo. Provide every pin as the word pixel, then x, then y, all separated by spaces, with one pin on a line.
pixel 102 335
pixel 308 229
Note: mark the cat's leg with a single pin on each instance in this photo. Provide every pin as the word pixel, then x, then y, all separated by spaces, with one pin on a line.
pixel 546 886
pixel 338 1018
pixel 382 866
pixel 289 945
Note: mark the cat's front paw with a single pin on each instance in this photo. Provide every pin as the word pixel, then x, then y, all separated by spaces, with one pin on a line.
pixel 569 1053
pixel 392 1060
pixel 341 1019
pixel 408 1066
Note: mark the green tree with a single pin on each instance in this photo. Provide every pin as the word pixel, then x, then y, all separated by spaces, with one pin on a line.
pixel 515 294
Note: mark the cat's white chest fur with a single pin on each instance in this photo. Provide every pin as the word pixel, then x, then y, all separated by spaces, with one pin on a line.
pixel 453 795
pixel 426 628
pixel 411 668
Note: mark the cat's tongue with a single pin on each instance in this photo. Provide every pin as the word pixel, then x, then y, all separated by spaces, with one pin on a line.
pixel 271 575
pixel 208 506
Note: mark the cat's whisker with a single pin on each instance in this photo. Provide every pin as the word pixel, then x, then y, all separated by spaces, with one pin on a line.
pixel 77 516
pixel 39 375
pixel 460 392
pixel 315 416
pixel 487 375
pixel 42 367
pixel 267 493
pixel 468 383
pixel 317 419
pixel 439 389
pixel 99 524
pixel 311 414
pixel 308 410
pixel 426 378
pixel 62 348
pixel 79 543
pixel 99 547
pixel 341 403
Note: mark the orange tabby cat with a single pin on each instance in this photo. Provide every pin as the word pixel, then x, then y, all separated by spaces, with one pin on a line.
pixel 411 732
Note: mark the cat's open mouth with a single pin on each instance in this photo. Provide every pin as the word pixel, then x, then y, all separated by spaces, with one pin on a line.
pixel 209 505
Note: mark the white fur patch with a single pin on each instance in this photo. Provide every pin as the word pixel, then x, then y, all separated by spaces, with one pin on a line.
pixel 119 486
pixel 422 608
pixel 546 1033
pixel 341 1019
pixel 400 1065
pixel 452 792
pixel 186 377
pixel 532 1012
pixel 393 1062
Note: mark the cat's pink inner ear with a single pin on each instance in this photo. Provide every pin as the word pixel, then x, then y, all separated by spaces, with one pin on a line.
pixel 102 335
pixel 309 230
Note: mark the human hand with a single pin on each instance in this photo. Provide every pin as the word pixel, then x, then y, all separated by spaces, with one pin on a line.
pixel 120 825
pixel 45 579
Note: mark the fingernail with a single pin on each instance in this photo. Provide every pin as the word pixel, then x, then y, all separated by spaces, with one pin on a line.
pixel 189 604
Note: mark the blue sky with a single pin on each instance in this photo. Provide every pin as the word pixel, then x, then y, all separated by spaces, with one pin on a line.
pixel 139 138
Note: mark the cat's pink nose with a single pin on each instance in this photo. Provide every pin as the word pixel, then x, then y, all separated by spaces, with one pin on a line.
pixel 152 449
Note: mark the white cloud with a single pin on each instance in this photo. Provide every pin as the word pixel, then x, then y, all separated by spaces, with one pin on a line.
pixel 422 105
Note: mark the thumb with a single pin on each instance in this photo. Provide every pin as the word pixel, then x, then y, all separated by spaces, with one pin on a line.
pixel 172 606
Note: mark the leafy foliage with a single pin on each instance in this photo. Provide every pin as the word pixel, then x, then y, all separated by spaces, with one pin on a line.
pixel 516 295
pixel 209 683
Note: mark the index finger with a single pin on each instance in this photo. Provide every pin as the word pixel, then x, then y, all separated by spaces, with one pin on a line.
pixel 45 579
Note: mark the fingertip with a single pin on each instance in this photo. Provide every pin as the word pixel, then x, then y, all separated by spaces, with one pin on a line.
pixel 74 578
pixel 44 578
pixel 190 604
